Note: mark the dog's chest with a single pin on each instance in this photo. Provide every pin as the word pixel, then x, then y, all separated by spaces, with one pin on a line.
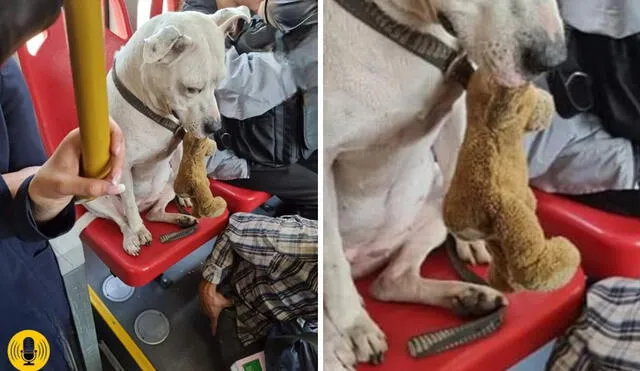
pixel 380 202
pixel 373 87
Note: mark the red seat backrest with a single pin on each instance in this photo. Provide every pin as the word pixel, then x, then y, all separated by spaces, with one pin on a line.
pixel 47 70
pixel 156 7
pixel 120 18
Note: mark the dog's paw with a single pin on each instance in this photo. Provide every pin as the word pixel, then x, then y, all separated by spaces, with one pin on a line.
pixel 338 354
pixel 367 340
pixel 185 202
pixel 133 241
pixel 185 221
pixel 474 252
pixel 470 300
pixel 131 244
pixel 144 236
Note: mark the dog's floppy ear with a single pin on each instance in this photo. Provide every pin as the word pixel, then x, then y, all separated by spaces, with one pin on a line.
pixel 228 19
pixel 166 45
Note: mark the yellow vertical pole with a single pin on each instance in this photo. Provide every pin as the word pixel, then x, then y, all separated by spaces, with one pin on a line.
pixel 85 34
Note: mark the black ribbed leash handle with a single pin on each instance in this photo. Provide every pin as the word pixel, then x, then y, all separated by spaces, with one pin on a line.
pixel 449 338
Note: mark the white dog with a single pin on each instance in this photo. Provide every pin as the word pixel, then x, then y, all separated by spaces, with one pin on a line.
pixel 388 115
pixel 172 65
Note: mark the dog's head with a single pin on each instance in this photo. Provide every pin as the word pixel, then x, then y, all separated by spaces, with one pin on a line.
pixel 184 61
pixel 515 39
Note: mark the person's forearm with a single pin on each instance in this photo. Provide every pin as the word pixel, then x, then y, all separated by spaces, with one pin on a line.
pixel 15 179
pixel 19 212
pixel 255 83
pixel 41 213
pixel 202 6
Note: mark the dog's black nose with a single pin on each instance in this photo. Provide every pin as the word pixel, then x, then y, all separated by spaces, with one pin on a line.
pixel 211 126
pixel 542 57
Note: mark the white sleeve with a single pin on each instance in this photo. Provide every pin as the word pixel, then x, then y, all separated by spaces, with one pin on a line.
pixel 255 83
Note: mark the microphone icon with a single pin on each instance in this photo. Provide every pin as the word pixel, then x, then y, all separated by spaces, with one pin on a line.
pixel 28 352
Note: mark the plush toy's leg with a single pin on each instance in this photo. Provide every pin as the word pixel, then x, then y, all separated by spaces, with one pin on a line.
pixel 158 213
pixel 401 280
pixel 533 262
pixel 500 278
pixel 205 204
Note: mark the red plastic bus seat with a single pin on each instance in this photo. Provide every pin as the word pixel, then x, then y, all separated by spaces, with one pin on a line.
pixel 120 19
pixel 238 199
pixel 609 243
pixel 48 75
pixel 532 320
pixel 157 7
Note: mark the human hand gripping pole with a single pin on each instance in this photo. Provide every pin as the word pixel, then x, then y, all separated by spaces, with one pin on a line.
pixel 98 142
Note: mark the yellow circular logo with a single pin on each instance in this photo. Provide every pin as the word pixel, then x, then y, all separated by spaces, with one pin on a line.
pixel 28 350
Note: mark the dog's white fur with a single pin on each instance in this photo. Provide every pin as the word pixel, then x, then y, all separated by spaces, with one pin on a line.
pixel 386 114
pixel 172 64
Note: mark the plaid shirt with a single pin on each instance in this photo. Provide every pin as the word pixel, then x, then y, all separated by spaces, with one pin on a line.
pixel 272 264
pixel 607 334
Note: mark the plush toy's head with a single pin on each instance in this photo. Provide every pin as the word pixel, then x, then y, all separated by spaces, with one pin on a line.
pixel 507 108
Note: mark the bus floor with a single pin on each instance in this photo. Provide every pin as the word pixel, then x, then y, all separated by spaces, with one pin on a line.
pixel 190 344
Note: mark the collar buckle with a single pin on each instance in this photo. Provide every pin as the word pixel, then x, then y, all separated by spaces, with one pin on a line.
pixel 459 69
pixel 180 132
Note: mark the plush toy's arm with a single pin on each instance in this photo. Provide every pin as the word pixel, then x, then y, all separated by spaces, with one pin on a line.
pixel 542 113
pixel 211 147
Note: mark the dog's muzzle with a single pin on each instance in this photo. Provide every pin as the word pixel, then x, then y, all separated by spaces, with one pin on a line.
pixel 211 126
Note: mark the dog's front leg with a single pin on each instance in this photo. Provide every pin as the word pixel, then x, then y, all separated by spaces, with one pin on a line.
pixel 342 303
pixel 449 140
pixel 174 163
pixel 140 234
pixel 158 213
pixel 401 280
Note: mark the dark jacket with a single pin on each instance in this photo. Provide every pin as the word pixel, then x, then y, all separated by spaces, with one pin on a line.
pixel 288 132
pixel 33 295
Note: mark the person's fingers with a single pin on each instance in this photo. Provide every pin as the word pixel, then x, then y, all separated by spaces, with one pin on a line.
pixel 117 152
pixel 214 326
pixel 214 320
pixel 86 187
pixel 225 303
pixel 70 148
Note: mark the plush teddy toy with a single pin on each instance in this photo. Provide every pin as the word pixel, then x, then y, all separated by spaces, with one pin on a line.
pixel 489 197
pixel 192 180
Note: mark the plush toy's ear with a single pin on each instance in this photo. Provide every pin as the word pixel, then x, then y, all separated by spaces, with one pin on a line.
pixel 228 19
pixel 165 46
pixel 543 111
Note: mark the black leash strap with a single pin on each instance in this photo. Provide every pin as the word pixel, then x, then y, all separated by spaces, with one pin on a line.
pixel 177 129
pixel 449 338
pixel 454 65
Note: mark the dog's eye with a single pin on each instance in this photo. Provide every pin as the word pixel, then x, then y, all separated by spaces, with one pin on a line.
pixel 193 90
